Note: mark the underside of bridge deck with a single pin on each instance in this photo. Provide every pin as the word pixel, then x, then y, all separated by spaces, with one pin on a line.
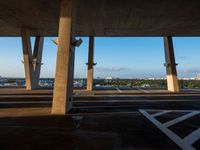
pixel 104 17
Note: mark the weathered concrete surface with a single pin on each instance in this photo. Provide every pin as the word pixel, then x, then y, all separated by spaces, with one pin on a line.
pixel 63 80
pixel 170 64
pixel 85 132
pixel 28 123
pixel 32 60
pixel 104 17
pixel 37 57
pixel 90 72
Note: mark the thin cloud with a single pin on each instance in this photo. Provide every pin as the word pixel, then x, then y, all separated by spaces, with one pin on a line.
pixel 182 57
pixel 192 70
pixel 111 69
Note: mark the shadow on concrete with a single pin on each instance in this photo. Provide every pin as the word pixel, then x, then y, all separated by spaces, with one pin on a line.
pixel 81 132
pixel 24 105
pixel 25 98
pixel 126 104
pixel 95 123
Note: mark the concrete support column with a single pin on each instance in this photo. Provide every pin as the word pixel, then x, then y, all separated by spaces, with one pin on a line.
pixel 172 81
pixel 37 58
pixel 72 61
pixel 90 64
pixel 32 61
pixel 71 77
pixel 62 88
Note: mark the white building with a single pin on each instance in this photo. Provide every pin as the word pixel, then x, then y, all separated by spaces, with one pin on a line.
pixel 109 78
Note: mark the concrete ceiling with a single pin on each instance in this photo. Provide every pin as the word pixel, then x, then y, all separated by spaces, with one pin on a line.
pixel 104 17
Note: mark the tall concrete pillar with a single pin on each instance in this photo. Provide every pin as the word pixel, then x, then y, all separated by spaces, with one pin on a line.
pixel 71 77
pixel 62 88
pixel 90 64
pixel 37 58
pixel 72 61
pixel 172 81
pixel 32 61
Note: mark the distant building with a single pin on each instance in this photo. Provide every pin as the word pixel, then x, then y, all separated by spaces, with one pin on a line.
pixel 145 85
pixel 109 78
pixel 3 80
pixel 78 84
pixel 198 77
pixel 192 78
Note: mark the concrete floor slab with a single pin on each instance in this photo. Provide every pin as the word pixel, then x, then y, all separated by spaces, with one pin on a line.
pixel 96 122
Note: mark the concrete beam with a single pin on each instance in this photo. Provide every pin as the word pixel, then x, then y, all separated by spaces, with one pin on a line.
pixel 172 81
pixel 104 17
pixel 32 62
pixel 90 64
pixel 62 88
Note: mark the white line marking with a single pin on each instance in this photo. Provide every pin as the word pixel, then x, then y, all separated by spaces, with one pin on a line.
pixel 180 119
pixel 180 142
pixel 79 119
pixel 142 100
pixel 118 90
pixel 145 91
pixel 160 113
pixel 197 90
pixel 144 96
pixel 193 137
pixel 78 124
pixel 174 110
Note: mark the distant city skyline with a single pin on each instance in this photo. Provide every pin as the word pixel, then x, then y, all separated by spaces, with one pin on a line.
pixel 137 57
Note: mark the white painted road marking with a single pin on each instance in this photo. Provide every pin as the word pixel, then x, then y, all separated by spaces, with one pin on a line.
pixel 134 100
pixel 186 143
pixel 118 90
pixel 179 119
pixel 145 91
pixel 193 137
pixel 160 113
pixel 174 110
pixel 79 119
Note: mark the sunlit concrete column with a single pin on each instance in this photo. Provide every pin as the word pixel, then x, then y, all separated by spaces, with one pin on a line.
pixel 62 88
pixel 172 81
pixel 32 62
pixel 72 61
pixel 90 64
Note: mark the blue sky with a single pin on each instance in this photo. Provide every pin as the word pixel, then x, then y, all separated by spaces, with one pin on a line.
pixel 137 57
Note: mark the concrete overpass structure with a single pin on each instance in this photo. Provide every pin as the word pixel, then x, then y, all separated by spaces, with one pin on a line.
pixel 68 19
